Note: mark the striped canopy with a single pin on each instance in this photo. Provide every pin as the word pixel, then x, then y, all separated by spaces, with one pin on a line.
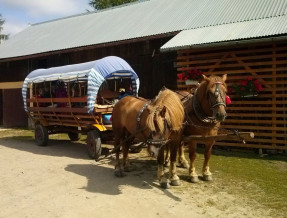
pixel 96 72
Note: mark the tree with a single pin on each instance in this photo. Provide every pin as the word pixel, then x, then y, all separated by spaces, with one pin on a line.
pixel 1 23
pixel 102 4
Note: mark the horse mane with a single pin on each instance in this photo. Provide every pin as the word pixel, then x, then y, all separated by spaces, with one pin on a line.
pixel 174 111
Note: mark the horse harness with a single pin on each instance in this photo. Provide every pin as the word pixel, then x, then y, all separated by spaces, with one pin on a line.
pixel 150 141
pixel 198 109
pixel 218 94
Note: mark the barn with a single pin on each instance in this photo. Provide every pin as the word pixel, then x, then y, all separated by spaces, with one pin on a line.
pixel 245 39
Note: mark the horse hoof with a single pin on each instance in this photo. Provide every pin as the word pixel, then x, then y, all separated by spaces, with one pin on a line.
pixel 119 173
pixel 175 182
pixel 184 165
pixel 207 177
pixel 167 164
pixel 194 179
pixel 164 185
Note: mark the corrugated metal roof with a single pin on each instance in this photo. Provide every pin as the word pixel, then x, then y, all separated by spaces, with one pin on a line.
pixel 138 20
pixel 228 32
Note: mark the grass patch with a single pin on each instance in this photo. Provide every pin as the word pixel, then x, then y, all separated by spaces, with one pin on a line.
pixel 27 134
pixel 260 179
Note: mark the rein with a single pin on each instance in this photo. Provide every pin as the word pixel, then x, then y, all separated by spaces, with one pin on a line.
pixel 199 111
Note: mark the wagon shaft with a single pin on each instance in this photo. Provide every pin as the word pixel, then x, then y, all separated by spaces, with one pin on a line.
pixel 238 136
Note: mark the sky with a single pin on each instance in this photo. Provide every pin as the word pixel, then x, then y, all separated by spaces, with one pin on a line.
pixel 19 14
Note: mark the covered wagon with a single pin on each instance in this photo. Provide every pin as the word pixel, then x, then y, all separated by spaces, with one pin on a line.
pixel 78 99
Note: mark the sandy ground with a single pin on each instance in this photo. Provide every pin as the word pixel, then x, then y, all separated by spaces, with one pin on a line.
pixel 61 181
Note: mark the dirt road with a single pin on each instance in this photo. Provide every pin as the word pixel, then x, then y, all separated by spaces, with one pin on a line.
pixel 60 181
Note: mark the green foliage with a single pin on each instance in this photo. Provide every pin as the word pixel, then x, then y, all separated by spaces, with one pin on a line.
pixel 1 23
pixel 102 4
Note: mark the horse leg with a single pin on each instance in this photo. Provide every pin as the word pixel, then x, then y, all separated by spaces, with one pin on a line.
pixel 192 156
pixel 174 180
pixel 207 175
pixel 181 157
pixel 126 163
pixel 167 155
pixel 164 182
pixel 118 166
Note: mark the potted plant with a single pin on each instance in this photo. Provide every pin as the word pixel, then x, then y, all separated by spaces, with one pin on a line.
pixel 190 76
pixel 247 87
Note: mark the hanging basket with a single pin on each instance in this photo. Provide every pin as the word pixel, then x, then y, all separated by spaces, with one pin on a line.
pixel 249 95
pixel 191 82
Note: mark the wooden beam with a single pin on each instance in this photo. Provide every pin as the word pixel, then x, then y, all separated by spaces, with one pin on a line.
pixel 11 85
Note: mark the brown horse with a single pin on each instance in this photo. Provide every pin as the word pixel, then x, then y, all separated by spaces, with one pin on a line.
pixel 152 122
pixel 204 111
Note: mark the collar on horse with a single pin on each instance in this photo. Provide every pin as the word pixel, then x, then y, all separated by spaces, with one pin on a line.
pixel 198 111
pixel 140 114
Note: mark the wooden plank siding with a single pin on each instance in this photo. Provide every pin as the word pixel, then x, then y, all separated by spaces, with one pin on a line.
pixel 265 114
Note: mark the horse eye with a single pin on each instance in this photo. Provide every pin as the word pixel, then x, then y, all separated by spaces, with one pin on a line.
pixel 208 94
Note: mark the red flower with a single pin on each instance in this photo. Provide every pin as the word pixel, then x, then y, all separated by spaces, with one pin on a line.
pixel 180 76
pixel 228 100
pixel 192 74
pixel 243 82
pixel 258 86
pixel 247 87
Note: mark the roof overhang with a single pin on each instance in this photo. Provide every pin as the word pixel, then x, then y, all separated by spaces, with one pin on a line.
pixel 228 33
pixel 95 46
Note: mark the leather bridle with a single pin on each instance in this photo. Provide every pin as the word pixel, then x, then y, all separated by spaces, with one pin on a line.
pixel 217 94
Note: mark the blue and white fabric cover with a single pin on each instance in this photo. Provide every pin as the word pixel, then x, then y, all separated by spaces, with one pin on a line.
pixel 96 72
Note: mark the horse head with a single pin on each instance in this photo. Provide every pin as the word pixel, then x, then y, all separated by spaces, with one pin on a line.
pixel 157 122
pixel 215 95
pixel 166 115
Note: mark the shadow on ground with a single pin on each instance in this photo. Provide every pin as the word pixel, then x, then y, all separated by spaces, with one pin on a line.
pixel 55 147
pixel 101 179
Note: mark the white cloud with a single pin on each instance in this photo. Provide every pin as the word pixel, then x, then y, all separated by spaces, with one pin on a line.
pixel 18 13
pixel 10 28
pixel 40 8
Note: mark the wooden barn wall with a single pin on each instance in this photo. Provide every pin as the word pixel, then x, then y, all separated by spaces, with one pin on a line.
pixel 265 114
pixel 154 69
pixel 13 111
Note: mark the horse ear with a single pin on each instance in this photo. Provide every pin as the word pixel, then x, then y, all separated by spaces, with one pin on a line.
pixel 163 88
pixel 224 77
pixel 205 78
pixel 163 111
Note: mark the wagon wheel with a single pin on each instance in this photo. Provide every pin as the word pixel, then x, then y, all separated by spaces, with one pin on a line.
pixel 74 136
pixel 94 144
pixel 41 135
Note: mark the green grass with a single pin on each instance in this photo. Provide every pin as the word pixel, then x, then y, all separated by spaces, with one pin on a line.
pixel 263 179
pixel 25 134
